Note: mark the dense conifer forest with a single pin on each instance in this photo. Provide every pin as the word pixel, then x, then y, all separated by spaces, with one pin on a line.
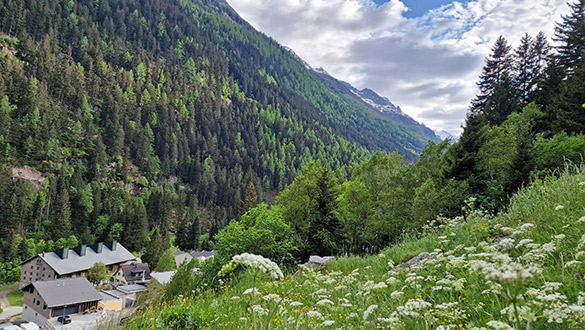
pixel 174 115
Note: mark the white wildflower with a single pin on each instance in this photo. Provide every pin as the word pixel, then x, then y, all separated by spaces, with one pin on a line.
pixel 273 297
pixel 582 219
pixel 296 303
pixel 315 315
pixel 559 207
pixel 559 237
pixel 396 294
pixel 258 310
pixel 328 323
pixel 524 313
pixel 252 261
pixel 572 263
pixel 235 298
pixel 548 247
pixel 498 325
pixel 253 291
pixel 524 242
pixel 346 305
pixel 369 311
pixel 320 292
pixel 325 302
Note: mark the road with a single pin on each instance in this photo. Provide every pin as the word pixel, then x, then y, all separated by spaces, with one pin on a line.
pixel 8 310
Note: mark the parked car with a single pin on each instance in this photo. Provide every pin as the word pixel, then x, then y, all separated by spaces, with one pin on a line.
pixel 65 319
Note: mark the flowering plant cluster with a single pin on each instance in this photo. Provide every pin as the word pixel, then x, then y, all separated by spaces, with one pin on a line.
pixel 523 272
pixel 253 261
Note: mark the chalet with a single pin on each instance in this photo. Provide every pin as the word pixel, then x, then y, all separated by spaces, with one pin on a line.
pixel 133 273
pixel 46 299
pixel 73 262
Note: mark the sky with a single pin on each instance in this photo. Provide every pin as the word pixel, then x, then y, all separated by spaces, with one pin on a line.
pixel 424 55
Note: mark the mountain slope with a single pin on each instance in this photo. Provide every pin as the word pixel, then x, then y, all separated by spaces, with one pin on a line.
pixel 519 270
pixel 167 111
pixel 367 98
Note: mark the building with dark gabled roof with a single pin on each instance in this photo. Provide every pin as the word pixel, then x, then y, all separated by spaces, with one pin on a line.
pixel 46 299
pixel 132 273
pixel 73 262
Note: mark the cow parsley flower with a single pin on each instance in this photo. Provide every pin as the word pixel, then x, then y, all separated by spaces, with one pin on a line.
pixel 257 309
pixel 325 302
pixel 498 325
pixel 315 315
pixel 253 291
pixel 369 311
pixel 252 261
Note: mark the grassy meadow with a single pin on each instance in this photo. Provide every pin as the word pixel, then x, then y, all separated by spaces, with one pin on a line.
pixel 522 269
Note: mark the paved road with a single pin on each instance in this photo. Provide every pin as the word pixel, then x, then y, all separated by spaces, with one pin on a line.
pixel 8 310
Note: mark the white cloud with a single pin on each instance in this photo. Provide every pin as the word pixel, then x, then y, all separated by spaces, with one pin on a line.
pixel 427 65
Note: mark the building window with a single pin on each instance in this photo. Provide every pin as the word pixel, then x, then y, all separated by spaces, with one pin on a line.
pixel 34 300
pixel 45 306
pixel 32 267
pixel 38 302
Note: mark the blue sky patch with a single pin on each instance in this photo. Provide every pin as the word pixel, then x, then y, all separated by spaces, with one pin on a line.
pixel 420 7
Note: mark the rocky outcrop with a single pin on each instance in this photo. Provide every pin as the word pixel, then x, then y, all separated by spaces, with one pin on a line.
pixel 30 174
pixel 316 262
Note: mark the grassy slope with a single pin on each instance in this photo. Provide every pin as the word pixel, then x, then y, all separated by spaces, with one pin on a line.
pixel 478 270
pixel 15 298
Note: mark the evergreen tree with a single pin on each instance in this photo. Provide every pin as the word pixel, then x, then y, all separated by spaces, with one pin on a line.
pixel 136 226
pixel 250 200
pixel 524 62
pixel 62 221
pixel 567 107
pixel 496 71
pixel 531 59
pixel 570 34
pixel 154 249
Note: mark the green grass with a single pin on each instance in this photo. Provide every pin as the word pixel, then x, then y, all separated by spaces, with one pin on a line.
pixel 523 268
pixel 15 298
pixel 9 287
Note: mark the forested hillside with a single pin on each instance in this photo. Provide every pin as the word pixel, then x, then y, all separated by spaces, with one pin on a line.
pixel 482 234
pixel 167 114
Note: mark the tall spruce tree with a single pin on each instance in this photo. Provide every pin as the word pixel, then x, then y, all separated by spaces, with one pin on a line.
pixel 524 62
pixel 154 249
pixel 496 71
pixel 570 34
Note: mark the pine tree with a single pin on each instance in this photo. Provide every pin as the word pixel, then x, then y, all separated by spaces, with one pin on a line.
pixel 62 221
pixel 497 71
pixel 136 226
pixel 154 249
pixel 524 62
pixel 542 60
pixel 570 34
pixel 250 200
